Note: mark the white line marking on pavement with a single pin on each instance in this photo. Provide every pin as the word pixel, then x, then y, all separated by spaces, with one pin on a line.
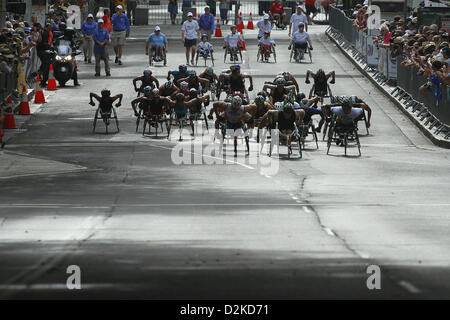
pixel 329 231
pixel 409 287
pixel 50 173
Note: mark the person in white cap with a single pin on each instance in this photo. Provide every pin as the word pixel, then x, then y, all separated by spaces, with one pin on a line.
pixel 157 41
pixel 88 28
pixel 101 38
pixel 190 32
pixel 263 26
pixel 296 18
pixel 121 29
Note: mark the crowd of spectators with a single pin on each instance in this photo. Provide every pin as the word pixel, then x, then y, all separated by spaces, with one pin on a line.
pixel 426 47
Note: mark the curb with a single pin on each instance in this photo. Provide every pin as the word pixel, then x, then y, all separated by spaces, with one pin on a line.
pixel 435 140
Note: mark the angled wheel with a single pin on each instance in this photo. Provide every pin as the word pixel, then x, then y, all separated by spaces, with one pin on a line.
pixel 274 55
pixel 258 56
pixel 196 59
pixel 212 59
pixel 95 121
pixel 225 56
pixel 117 120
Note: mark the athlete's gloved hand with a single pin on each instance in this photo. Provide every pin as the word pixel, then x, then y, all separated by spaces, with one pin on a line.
pixel 257 136
pixel 307 81
pixel 136 114
pixel 332 81
pixel 210 117
pixel 92 103
pixel 250 88
pixel 310 48
pixel 136 89
pixel 118 105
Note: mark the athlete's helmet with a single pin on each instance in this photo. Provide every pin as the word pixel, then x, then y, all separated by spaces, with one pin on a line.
pixel 299 97
pixel 236 102
pixel 260 99
pixel 280 82
pixel 155 93
pixel 168 84
pixel 179 96
pixel 182 68
pixel 192 74
pixel 286 75
pixel 147 90
pixel 106 93
pixel 304 102
pixel 346 103
pixel 204 36
pixel 209 70
pixel 184 85
pixel 147 72
pixel 288 107
pixel 193 92
pixel 235 68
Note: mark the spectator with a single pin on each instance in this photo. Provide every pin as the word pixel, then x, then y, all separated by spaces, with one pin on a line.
pixel 212 5
pixel 263 26
pixel 121 30
pixel 88 28
pixel 296 18
pixel 108 26
pixel 173 10
pixel 101 38
pixel 224 6
pixel 277 12
pixel 131 11
pixel 206 22
pixel 189 36
pixel 186 4
pixel 310 6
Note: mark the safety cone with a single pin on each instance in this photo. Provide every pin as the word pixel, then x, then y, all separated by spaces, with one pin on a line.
pixel 218 32
pixel 39 94
pixel 238 23
pixel 9 122
pixel 243 45
pixel 51 84
pixel 24 107
pixel 250 22
pixel 242 22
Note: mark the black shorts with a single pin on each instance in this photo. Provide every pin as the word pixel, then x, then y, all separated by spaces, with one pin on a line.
pixel 190 42
pixel 310 9
pixel 301 45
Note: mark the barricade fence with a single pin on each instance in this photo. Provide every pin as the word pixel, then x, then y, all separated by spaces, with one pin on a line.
pixel 432 109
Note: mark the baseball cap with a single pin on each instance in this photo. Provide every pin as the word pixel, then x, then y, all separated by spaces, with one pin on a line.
pixel 157 28
pixel 206 7
pixel 299 6
pixel 189 14
pixel 90 15
pixel 266 16
pixel 100 21
pixel 119 7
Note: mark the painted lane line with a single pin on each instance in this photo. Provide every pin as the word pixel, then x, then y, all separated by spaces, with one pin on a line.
pixel 409 287
pixel 329 231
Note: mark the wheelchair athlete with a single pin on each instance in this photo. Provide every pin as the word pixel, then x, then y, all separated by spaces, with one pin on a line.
pixel 233 113
pixel 232 42
pixel 257 110
pixel 147 79
pixel 288 77
pixel 204 47
pixel 310 107
pixel 197 105
pixel 105 103
pixel 236 80
pixel 345 116
pixel 181 107
pixel 300 41
pixel 266 46
pixel 151 104
pixel 194 81
pixel 168 89
pixel 182 72
pixel 279 92
pixel 211 77
pixel 287 119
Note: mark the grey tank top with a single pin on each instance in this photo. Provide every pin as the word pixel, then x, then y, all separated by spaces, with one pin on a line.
pixel 234 115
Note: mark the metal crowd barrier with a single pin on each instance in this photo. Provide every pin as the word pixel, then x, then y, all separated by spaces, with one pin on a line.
pixel 432 112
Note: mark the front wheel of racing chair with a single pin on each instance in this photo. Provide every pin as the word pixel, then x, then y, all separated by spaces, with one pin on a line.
pixel 106 117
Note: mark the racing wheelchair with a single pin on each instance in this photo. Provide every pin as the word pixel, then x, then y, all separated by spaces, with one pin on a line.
pixel 289 140
pixel 228 131
pixel 205 56
pixel 233 55
pixel 306 129
pixel 264 55
pixel 106 116
pixel 152 59
pixel 342 135
pixel 296 53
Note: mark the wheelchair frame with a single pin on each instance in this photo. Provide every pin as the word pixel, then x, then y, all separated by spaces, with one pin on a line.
pixel 346 135
pixel 106 116
pixel 260 58
pixel 151 56
pixel 293 49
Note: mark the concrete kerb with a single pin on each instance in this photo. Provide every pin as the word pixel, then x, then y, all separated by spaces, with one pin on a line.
pixel 429 134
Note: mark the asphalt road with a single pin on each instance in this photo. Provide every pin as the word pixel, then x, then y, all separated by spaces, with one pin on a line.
pixel 141 226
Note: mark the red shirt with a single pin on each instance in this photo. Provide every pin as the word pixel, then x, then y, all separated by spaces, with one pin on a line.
pixel 276 8
pixel 310 2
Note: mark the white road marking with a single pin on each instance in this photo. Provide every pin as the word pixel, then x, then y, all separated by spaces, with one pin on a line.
pixel 409 287
pixel 329 231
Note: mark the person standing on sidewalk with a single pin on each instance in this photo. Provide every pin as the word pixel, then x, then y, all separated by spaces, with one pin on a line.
pixel 108 26
pixel 173 10
pixel 189 35
pixel 224 6
pixel 101 38
pixel 131 10
pixel 264 26
pixel 212 5
pixel 206 23
pixel 88 28
pixel 296 18
pixel 121 30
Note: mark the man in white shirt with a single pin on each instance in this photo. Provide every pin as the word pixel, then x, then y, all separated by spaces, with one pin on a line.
pixel 263 26
pixel 189 35
pixel 300 40
pixel 296 18
pixel 231 41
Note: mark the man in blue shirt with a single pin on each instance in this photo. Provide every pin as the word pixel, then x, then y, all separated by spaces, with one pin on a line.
pixel 157 41
pixel 101 38
pixel 206 22
pixel 88 28
pixel 120 30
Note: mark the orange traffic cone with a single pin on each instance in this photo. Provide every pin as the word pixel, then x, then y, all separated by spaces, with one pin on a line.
pixel 51 84
pixel 218 32
pixel 24 107
pixel 250 22
pixel 39 94
pixel 242 45
pixel 9 122
pixel 242 22
pixel 238 23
